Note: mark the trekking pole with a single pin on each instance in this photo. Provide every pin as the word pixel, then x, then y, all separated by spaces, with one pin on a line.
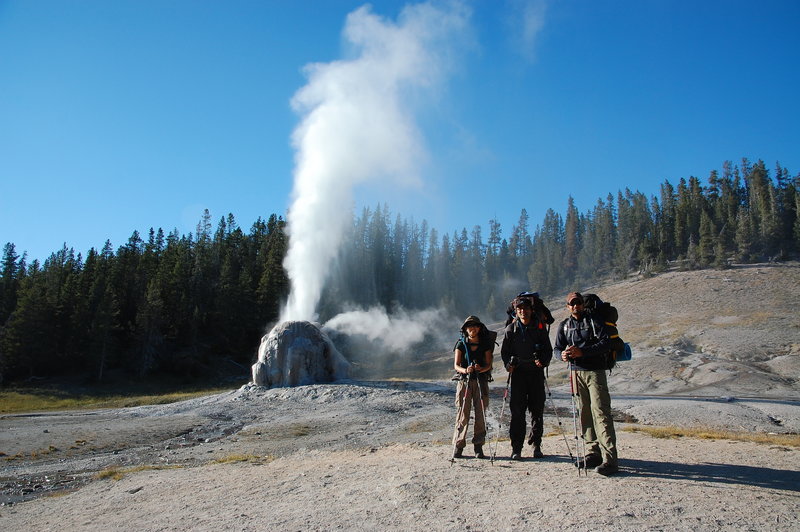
pixel 558 419
pixel 575 423
pixel 458 417
pixel 500 420
pixel 483 408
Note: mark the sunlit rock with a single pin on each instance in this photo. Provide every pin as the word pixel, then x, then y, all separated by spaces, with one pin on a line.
pixel 296 353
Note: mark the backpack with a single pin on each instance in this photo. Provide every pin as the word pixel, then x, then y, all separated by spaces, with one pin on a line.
pixel 607 314
pixel 541 311
pixel 488 338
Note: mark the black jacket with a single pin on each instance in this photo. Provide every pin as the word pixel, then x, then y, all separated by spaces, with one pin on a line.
pixel 526 343
pixel 588 334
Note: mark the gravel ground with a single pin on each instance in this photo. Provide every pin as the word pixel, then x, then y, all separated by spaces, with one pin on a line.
pixel 367 455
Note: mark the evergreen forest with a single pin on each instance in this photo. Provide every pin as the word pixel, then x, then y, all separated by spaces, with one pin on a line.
pixel 196 305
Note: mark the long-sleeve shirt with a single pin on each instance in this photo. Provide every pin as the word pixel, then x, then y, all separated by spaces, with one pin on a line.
pixel 587 334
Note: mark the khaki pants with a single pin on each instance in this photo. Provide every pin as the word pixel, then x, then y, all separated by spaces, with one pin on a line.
pixel 468 396
pixel 594 403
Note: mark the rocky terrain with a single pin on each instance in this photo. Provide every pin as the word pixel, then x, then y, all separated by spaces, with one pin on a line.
pixel 715 349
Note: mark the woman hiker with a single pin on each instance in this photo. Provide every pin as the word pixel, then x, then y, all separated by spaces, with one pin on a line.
pixel 473 365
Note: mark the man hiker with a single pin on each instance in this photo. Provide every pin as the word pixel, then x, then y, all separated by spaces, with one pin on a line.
pixel 583 342
pixel 473 365
pixel 526 351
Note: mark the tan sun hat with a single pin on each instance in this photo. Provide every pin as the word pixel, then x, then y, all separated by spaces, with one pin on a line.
pixel 471 320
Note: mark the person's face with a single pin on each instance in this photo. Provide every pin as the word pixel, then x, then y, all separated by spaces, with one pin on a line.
pixel 575 307
pixel 473 330
pixel 524 313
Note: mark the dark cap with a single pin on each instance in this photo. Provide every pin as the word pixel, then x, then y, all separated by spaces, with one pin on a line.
pixel 522 302
pixel 574 295
pixel 471 320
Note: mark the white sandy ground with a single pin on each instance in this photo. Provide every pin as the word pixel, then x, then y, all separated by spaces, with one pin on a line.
pixel 665 485
pixel 368 456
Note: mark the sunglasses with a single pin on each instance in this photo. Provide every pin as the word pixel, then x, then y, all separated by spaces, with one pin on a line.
pixel 575 303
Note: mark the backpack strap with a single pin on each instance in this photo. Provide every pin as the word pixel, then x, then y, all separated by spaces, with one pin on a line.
pixel 591 322
pixel 610 352
pixel 464 343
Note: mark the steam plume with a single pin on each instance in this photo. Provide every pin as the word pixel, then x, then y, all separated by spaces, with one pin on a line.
pixel 357 125
pixel 391 333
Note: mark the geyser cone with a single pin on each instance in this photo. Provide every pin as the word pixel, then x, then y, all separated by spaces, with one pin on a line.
pixel 296 353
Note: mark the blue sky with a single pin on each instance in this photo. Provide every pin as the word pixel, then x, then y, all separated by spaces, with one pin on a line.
pixel 123 115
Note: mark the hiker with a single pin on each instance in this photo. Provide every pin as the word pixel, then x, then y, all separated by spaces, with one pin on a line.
pixel 583 342
pixel 540 311
pixel 526 351
pixel 473 365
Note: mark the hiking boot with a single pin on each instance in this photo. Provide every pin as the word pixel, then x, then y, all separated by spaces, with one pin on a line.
pixel 537 452
pixel 479 451
pixel 458 452
pixel 606 469
pixel 593 460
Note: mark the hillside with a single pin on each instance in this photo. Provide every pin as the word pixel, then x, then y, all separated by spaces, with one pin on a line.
pixel 709 333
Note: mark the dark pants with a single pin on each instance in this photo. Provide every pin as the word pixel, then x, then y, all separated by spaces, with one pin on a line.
pixel 527 394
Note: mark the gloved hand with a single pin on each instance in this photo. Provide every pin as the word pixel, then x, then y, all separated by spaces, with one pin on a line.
pixel 512 363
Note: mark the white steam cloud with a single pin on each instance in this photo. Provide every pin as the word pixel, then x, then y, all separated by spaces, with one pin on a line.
pixel 357 125
pixel 393 333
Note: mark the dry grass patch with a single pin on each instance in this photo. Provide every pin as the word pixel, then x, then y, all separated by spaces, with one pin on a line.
pixel 240 458
pixel 15 401
pixel 422 425
pixel 789 440
pixel 299 429
pixel 118 473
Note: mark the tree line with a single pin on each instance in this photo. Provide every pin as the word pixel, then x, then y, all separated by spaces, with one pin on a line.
pixel 191 304
pixel 177 304
pixel 742 214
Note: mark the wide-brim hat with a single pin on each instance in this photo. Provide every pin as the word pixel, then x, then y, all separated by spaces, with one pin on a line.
pixel 471 320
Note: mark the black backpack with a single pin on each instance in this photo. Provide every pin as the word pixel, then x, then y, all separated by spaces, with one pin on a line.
pixel 541 311
pixel 607 314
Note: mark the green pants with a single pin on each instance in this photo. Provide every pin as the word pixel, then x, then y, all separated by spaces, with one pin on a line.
pixel 594 404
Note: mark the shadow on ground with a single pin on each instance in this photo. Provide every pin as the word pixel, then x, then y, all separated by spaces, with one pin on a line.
pixel 764 477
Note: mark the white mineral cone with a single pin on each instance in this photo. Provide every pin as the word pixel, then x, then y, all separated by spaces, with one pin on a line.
pixel 296 353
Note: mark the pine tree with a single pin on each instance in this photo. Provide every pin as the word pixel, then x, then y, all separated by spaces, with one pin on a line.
pixel 744 236
pixel 149 321
pixel 29 340
pixel 273 287
pixel 9 282
pixel 571 242
pixel 708 241
pixel 763 208
pixel 666 230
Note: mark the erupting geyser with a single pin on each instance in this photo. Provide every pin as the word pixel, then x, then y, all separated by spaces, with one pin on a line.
pixel 295 353
pixel 357 126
